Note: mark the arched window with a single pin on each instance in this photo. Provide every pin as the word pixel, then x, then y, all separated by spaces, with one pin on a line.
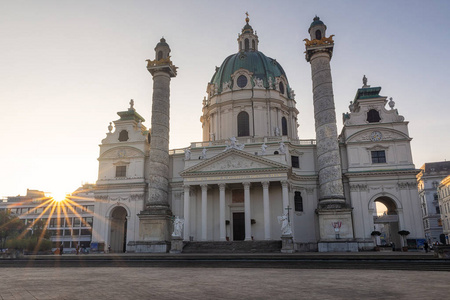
pixel 243 124
pixel 247 45
pixel 123 136
pixel 242 81
pixel 253 45
pixel 281 86
pixel 298 201
pixel 373 116
pixel 284 130
pixel 318 34
pixel 160 55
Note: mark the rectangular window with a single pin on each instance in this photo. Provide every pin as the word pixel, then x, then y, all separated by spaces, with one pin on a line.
pixel 121 171
pixel 295 162
pixel 298 201
pixel 87 222
pixel 86 232
pixel 76 222
pixel 378 157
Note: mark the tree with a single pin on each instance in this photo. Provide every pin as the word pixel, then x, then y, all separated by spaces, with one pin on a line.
pixel 10 226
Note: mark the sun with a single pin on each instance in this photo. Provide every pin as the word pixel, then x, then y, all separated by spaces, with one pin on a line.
pixel 59 197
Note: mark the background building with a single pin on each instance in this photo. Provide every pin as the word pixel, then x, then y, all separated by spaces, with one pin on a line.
pixel 68 222
pixel 444 207
pixel 428 180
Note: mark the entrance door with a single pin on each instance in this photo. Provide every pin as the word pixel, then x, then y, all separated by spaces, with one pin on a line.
pixel 238 226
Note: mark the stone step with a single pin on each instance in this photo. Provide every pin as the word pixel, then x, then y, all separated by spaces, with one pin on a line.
pixel 232 247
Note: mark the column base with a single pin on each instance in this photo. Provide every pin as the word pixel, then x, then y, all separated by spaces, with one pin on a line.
pixel 149 247
pixel 287 244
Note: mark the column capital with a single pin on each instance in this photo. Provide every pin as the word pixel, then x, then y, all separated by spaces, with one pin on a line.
pixel 204 186
pixel 246 185
pixel 284 183
pixel 265 184
pixel 222 186
pixel 186 186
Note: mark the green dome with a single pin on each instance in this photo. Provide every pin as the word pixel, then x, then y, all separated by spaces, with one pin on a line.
pixel 261 66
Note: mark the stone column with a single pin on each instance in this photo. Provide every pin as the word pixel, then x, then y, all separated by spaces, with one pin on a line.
pixel 332 207
pixel 222 225
pixel 248 218
pixel 187 210
pixel 265 185
pixel 331 191
pixel 204 211
pixel 285 195
pixel 155 223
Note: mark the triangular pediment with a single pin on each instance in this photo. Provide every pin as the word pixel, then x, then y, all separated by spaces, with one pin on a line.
pixel 234 161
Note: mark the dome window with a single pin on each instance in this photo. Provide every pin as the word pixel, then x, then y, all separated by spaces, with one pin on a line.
pixel 243 124
pixel 242 81
pixel 123 136
pixel 281 86
pixel 284 126
pixel 253 45
pixel 373 116
pixel 247 45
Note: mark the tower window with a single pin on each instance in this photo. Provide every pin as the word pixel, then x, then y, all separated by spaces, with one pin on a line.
pixel 247 45
pixel 253 45
pixel 243 124
pixel 281 86
pixel 298 201
pixel 295 162
pixel 318 34
pixel 121 171
pixel 242 81
pixel 123 136
pixel 284 128
pixel 378 157
pixel 373 116
pixel 160 55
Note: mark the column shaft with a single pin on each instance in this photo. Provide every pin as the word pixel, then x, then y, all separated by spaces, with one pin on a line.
pixel 204 211
pixel 266 205
pixel 187 207
pixel 248 219
pixel 285 195
pixel 222 225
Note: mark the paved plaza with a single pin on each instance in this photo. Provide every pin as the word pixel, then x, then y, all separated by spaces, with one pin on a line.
pixel 219 283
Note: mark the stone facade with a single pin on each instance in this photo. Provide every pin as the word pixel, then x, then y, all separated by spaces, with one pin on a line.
pixel 444 205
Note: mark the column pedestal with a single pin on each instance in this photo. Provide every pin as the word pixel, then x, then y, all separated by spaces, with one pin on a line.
pixel 155 228
pixel 333 238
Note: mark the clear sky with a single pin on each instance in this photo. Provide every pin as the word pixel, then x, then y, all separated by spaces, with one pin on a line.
pixel 67 67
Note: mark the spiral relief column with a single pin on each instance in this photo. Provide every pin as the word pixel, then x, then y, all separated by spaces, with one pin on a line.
pixel 155 221
pixel 332 205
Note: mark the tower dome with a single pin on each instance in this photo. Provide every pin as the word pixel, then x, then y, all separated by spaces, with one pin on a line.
pixel 249 95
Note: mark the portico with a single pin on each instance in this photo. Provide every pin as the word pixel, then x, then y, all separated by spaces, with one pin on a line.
pixel 215 200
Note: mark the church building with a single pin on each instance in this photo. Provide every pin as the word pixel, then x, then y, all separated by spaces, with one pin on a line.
pixel 252 179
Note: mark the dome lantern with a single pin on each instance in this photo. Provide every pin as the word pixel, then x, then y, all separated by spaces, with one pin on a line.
pixel 247 39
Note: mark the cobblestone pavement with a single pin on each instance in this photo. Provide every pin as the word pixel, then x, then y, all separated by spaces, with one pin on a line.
pixel 219 283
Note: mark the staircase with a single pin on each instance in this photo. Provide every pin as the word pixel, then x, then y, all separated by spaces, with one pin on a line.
pixel 232 247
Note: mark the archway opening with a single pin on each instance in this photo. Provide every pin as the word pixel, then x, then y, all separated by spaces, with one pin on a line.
pixel 118 234
pixel 385 220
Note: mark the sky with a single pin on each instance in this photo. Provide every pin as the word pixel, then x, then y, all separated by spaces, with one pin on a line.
pixel 67 68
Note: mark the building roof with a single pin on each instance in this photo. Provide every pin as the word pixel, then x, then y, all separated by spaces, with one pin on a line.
pixel 436 167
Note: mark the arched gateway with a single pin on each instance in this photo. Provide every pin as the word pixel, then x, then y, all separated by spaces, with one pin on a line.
pixel 118 230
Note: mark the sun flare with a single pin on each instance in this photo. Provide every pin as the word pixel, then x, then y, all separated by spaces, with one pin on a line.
pixel 59 197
